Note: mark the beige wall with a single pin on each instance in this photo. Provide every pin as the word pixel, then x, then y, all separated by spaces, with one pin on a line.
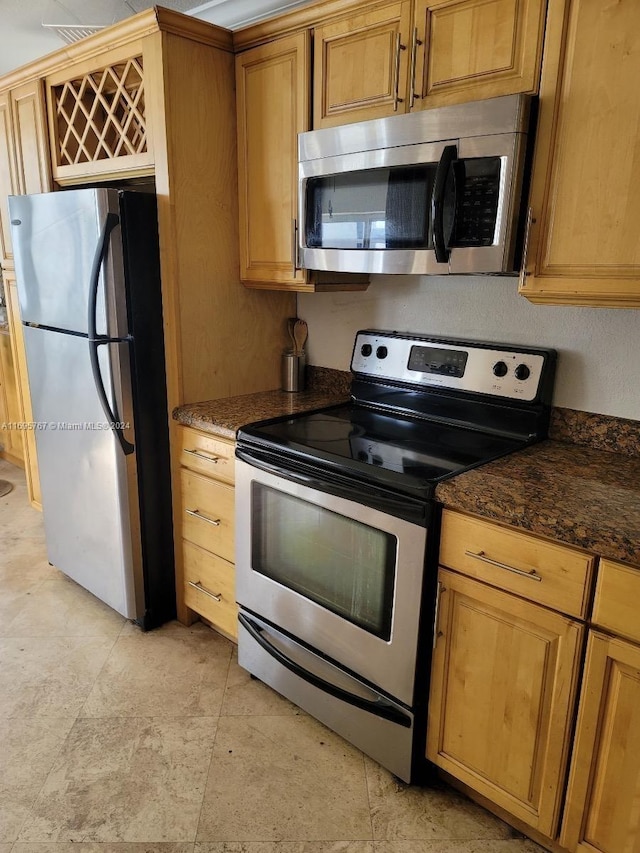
pixel 598 368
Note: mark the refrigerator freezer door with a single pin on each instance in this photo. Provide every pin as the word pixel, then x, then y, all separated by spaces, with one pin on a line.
pixel 89 500
pixel 55 238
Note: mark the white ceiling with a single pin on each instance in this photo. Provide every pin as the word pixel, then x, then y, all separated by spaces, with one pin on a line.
pixel 24 36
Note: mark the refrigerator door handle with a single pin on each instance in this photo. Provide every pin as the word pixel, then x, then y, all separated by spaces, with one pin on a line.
pixel 95 340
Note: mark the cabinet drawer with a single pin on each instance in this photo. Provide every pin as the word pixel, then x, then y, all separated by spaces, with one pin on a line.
pixel 554 575
pixel 208 514
pixel 615 607
pixel 209 588
pixel 207 454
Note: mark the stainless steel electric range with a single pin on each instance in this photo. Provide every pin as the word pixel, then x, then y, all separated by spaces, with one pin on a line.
pixel 337 527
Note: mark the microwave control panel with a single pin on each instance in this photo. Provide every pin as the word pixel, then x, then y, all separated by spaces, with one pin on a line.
pixel 473 367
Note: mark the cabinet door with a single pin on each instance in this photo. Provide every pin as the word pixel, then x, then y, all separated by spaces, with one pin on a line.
pixel 584 246
pixel 24 397
pixel 471 49
pixel 10 414
pixel 502 694
pixel 360 66
pixel 272 86
pixel 602 815
pixel 30 134
pixel 8 181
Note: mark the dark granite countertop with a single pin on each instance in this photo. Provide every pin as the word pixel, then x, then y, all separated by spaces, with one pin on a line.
pixel 578 495
pixel 224 417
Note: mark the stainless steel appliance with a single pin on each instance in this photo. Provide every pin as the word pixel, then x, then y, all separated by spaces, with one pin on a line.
pixel 87 267
pixel 433 192
pixel 337 527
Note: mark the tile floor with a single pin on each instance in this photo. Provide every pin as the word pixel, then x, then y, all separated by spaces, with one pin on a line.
pixel 115 741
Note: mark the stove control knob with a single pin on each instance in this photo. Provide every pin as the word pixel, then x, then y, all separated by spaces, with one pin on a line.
pixel 381 352
pixel 522 372
pixel 365 349
pixel 500 368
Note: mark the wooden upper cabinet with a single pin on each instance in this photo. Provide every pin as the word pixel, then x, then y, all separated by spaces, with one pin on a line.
pixel 30 133
pixel 503 684
pixel 472 49
pixel 361 65
pixel 98 117
pixel 8 179
pixel 273 85
pixel 601 815
pixel 584 246
pixel 273 103
pixel 393 58
pixel 24 154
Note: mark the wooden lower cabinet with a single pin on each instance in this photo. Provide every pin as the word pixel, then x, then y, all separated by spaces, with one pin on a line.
pixel 10 414
pixel 503 686
pixel 24 397
pixel 210 587
pixel 602 814
pixel 207 528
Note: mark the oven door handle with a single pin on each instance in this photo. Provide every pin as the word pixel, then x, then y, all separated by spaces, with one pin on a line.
pixel 380 707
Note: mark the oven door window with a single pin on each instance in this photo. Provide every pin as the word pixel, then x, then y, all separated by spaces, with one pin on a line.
pixel 343 565
pixel 387 208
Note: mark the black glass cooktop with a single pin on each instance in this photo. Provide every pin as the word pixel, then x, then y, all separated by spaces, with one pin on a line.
pixel 409 453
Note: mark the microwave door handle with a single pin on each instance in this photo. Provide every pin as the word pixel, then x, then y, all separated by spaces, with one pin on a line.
pixel 449 154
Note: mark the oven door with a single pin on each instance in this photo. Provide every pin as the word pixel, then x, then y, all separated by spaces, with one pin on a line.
pixel 340 576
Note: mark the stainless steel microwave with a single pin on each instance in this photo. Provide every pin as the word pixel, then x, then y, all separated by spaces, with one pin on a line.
pixel 433 192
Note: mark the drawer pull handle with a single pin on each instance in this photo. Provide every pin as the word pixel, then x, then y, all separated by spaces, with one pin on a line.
pixel 532 575
pixel 197 514
pixel 200 455
pixel 197 585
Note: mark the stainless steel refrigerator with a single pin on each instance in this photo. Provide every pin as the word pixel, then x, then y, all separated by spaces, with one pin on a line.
pixel 87 265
